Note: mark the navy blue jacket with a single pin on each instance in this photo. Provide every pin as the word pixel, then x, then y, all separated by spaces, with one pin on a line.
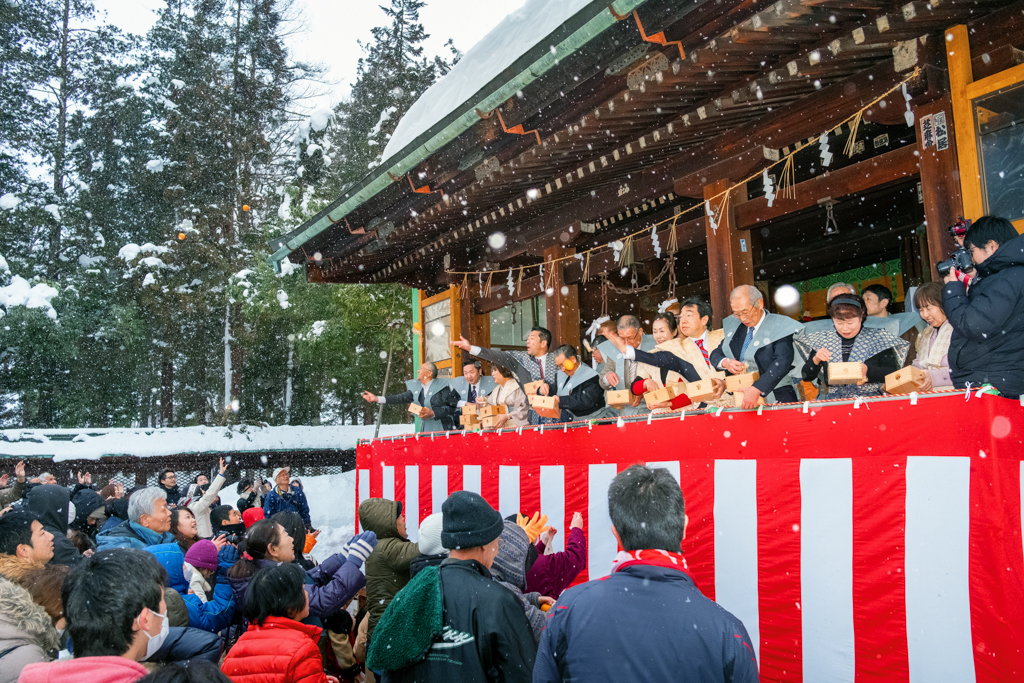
pixel 292 501
pixel 647 623
pixel 987 345
pixel 774 363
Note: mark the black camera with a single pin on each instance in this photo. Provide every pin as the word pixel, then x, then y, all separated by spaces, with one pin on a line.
pixel 961 258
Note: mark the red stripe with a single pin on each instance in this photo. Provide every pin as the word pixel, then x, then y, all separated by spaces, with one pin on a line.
pixel 697 480
pixel 400 487
pixel 376 482
pixel 997 568
pixel 489 484
pixel 879 587
pixel 577 499
pixel 454 478
pixel 778 569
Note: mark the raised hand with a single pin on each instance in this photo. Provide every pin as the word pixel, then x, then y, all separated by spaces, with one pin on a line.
pixel 577 521
pixel 223 467
pixel 369 397
pixel 19 471
pixel 463 343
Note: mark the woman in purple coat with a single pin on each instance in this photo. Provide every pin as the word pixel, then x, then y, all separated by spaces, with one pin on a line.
pixel 552 574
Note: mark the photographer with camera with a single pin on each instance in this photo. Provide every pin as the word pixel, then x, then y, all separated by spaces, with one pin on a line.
pixel 959 262
pixel 987 345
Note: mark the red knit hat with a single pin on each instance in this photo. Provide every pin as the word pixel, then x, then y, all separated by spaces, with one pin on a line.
pixel 251 516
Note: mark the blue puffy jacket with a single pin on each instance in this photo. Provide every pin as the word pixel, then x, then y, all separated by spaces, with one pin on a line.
pixel 292 501
pixel 656 622
pixel 131 535
pixel 214 615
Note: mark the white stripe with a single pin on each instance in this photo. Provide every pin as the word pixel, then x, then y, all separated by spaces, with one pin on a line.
pixel 388 474
pixel 826 569
pixel 471 478
pixel 736 543
pixel 412 501
pixel 552 502
pixel 601 545
pixel 508 490
pixel 937 581
pixel 364 488
pixel 671 465
pixel 438 486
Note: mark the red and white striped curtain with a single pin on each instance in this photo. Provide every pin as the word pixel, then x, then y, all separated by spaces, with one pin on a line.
pixel 878 542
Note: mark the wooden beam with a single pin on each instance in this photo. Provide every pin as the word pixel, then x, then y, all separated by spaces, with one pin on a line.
pixel 730 261
pixel 958 57
pixel 862 176
pixel 499 298
pixel 940 186
pixel 563 307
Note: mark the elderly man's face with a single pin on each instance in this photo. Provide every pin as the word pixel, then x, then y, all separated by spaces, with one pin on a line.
pixel 471 374
pixel 566 365
pixel 747 313
pixel 631 336
pixel 160 520
pixel 424 374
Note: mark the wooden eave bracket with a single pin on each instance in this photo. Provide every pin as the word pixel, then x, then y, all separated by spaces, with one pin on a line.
pixel 658 38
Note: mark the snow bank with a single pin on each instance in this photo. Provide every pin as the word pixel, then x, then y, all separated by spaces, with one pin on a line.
pixel 508 41
pixel 92 444
pixel 332 509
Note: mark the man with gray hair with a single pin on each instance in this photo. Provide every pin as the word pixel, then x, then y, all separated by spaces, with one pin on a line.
pixel 432 393
pixel 619 370
pixel 149 522
pixel 757 340
pixel 838 288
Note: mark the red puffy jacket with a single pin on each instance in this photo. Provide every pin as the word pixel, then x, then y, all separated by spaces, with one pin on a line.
pixel 280 651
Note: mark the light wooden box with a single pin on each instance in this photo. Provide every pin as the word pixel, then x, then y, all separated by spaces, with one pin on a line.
pixel 700 391
pixel 471 409
pixel 490 422
pixel 469 420
pixel 491 411
pixel 738 400
pixel 618 398
pixel 417 410
pixel 905 380
pixel 531 387
pixel 844 373
pixel 665 393
pixel 545 406
pixel 736 383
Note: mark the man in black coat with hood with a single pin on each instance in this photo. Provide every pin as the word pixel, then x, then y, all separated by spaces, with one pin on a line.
pixel 987 346
pixel 51 504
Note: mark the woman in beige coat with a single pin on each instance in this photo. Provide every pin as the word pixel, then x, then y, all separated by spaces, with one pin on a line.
pixel 510 394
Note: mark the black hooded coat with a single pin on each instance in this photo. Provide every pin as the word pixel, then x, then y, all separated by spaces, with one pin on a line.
pixel 50 504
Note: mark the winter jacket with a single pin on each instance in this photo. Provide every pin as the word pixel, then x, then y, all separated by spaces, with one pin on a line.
pixel 212 615
pixel 91 669
pixel 278 651
pixel 27 635
pixel 486 635
pixel 423 561
pixel 291 501
pixel 86 502
pixel 12 493
pixel 131 535
pixel 387 567
pixel 509 569
pixel 552 574
pixel 201 508
pixel 987 346
pixel 330 585
pixel 50 503
pixel 657 624
pixel 17 569
pixel 173 493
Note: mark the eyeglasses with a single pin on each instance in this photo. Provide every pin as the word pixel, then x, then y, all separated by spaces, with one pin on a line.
pixel 746 312
pixel 631 337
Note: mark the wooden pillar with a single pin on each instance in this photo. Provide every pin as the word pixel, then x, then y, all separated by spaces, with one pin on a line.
pixel 940 182
pixel 730 251
pixel 563 301
pixel 961 75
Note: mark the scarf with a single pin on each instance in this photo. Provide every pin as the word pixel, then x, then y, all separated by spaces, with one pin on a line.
pixel 656 557
pixel 935 347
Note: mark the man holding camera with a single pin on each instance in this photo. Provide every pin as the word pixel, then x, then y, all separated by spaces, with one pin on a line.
pixel 987 346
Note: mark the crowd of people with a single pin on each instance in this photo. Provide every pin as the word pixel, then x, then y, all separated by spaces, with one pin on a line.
pixel 102 584
pixel 965 333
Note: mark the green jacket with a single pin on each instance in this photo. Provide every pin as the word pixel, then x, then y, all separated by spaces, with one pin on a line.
pixel 387 567
pixel 12 494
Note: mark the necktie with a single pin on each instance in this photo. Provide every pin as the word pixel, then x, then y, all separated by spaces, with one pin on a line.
pixel 630 373
pixel 472 394
pixel 541 366
pixel 746 343
pixel 700 345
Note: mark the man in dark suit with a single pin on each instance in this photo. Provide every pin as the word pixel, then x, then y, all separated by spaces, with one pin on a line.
pixel 431 392
pixel 757 339
pixel 577 387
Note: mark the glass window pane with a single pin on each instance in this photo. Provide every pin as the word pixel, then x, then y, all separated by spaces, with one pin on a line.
pixel 511 325
pixel 437 331
pixel 998 119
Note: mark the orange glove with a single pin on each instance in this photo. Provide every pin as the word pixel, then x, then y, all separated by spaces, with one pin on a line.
pixel 533 527
pixel 310 542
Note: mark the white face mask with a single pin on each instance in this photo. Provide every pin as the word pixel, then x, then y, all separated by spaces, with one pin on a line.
pixel 156 641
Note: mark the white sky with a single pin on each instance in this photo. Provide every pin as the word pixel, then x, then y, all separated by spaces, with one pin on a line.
pixel 333 27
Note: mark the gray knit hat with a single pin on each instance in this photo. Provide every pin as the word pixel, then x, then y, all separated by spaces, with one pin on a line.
pixel 510 563
pixel 469 521
pixel 430 535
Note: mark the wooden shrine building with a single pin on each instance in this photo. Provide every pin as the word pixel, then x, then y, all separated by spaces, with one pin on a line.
pixel 603 161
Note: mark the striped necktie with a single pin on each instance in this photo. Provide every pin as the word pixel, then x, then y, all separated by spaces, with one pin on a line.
pixel 700 345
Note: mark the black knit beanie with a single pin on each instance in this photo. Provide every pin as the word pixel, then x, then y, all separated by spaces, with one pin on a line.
pixel 468 521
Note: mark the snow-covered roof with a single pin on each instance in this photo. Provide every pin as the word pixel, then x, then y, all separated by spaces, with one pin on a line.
pixel 92 444
pixel 513 37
